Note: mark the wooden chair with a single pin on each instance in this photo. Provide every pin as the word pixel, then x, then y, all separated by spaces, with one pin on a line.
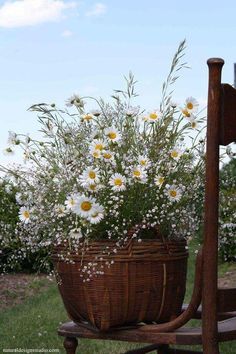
pixel 218 310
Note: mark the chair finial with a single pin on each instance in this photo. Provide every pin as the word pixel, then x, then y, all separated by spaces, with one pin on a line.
pixel 215 61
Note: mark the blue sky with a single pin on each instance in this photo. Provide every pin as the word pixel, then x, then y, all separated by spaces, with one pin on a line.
pixel 50 49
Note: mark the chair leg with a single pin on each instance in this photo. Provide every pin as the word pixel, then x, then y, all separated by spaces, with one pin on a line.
pixel 70 345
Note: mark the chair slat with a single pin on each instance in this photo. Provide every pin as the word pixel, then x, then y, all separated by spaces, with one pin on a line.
pixel 228 115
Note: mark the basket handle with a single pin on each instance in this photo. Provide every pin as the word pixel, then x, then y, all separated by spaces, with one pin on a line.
pixel 137 228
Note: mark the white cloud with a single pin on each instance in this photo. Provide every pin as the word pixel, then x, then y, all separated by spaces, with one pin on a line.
pixel 67 33
pixel 97 10
pixel 20 13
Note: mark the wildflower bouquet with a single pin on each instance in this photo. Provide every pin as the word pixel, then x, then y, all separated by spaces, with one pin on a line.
pixel 95 175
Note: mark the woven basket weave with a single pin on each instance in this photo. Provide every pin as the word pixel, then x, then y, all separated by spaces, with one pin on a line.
pixel 146 283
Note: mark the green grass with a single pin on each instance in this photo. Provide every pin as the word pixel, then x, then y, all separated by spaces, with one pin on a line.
pixel 34 323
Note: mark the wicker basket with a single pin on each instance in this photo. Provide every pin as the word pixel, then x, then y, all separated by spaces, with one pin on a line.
pixel 146 283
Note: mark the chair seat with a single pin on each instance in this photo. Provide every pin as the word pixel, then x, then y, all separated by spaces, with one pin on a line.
pixel 184 335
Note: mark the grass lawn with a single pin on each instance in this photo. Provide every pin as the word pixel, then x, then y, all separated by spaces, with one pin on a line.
pixel 33 324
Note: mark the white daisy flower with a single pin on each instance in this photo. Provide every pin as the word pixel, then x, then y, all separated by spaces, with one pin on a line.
pixel 176 154
pixel 85 206
pixel 71 201
pixel 186 112
pixel 8 151
pixel 76 234
pixel 139 174
pixel 93 187
pixel 75 100
pixel 24 214
pixel 132 111
pixel 97 145
pixel 159 180
pixel 12 138
pixel 112 134
pixel 191 104
pixel 193 122
pixel 173 192
pixel 87 117
pixel 96 153
pixel 90 175
pixel 144 161
pixel 118 182
pixel 96 112
pixel 97 215
pixel 19 198
pixel 60 210
pixel 153 116
pixel 173 104
pixel 108 156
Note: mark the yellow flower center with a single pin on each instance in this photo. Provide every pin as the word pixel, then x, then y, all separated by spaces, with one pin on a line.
pixel 189 105
pixel 174 154
pixel 99 147
pixel 92 174
pixel 92 187
pixel 143 162
pixel 136 173
pixel 96 154
pixel 112 135
pixel 72 202
pixel 87 117
pixel 107 155
pixel 86 206
pixel 26 214
pixel 153 116
pixel 193 124
pixel 173 193
pixel 186 113
pixel 118 182
pixel 160 180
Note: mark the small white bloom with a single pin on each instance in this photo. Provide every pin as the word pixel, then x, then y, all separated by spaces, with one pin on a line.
pixel 96 112
pixel 159 180
pixel 173 104
pixel 97 215
pixel 93 187
pixel 132 111
pixel 108 156
pixel 87 117
pixel 176 154
pixel 173 192
pixel 60 210
pixel 96 153
pixel 144 161
pixel 112 134
pixel 118 182
pixel 71 201
pixel 19 198
pixel 24 214
pixel 75 100
pixel 139 174
pixel 76 234
pixel 12 138
pixel 8 151
pixel 193 122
